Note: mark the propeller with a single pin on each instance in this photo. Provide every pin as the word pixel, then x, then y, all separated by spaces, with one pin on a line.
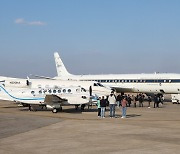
pixel 92 97
pixel 28 82
pixel 90 91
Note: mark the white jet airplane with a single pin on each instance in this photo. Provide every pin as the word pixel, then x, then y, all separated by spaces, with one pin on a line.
pixel 157 83
pixel 52 98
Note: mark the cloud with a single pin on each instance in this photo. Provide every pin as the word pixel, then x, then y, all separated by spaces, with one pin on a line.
pixel 20 21
pixel 31 23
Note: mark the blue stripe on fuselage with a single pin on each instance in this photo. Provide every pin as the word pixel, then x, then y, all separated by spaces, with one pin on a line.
pixel 30 99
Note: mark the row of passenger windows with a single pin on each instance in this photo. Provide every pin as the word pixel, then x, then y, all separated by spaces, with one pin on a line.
pixel 55 91
pixel 137 81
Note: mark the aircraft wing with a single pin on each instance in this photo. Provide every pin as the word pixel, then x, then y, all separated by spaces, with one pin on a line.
pixel 65 100
pixel 122 89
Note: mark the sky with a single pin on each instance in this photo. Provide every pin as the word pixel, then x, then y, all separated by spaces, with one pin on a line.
pixel 91 36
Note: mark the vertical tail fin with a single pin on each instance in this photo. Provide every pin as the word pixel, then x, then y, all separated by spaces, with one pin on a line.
pixel 60 68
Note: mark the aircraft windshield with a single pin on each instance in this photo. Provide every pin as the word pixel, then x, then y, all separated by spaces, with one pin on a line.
pixel 83 90
pixel 95 84
pixel 98 84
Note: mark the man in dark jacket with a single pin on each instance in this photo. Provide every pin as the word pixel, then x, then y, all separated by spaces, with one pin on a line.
pixel 103 106
pixel 155 101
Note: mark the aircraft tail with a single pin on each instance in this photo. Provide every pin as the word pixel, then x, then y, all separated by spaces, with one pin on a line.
pixel 60 68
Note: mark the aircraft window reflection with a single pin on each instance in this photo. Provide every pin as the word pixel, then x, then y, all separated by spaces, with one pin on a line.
pixel 40 91
pixel 59 91
pixel 64 90
pixel 54 91
pixel 69 90
pixel 32 92
pixel 45 91
pixel 49 91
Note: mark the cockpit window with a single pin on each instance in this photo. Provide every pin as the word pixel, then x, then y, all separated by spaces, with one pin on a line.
pixel 100 84
pixel 95 84
pixel 83 90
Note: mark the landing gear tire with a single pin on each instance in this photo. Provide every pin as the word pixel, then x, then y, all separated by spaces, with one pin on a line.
pixel 54 110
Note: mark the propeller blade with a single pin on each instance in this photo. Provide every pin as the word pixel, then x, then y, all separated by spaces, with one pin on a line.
pixel 90 91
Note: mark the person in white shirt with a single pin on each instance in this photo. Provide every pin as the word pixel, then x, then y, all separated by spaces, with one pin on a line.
pixel 112 103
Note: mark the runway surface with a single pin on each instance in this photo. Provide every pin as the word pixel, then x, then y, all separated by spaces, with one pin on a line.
pixel 144 131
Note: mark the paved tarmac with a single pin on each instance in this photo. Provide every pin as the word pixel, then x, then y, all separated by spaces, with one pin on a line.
pixel 144 131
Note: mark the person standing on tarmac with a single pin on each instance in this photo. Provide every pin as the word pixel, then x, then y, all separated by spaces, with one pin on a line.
pixel 103 106
pixel 155 101
pixel 134 100
pixel 118 99
pixel 112 103
pixel 149 101
pixel 124 104
pixel 141 100
pixel 99 106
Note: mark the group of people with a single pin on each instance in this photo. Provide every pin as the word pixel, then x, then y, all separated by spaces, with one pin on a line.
pixel 111 101
pixel 124 101
pixel 140 98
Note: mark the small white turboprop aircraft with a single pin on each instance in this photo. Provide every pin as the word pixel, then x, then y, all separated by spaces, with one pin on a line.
pixel 52 98
pixel 157 83
pixel 91 86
